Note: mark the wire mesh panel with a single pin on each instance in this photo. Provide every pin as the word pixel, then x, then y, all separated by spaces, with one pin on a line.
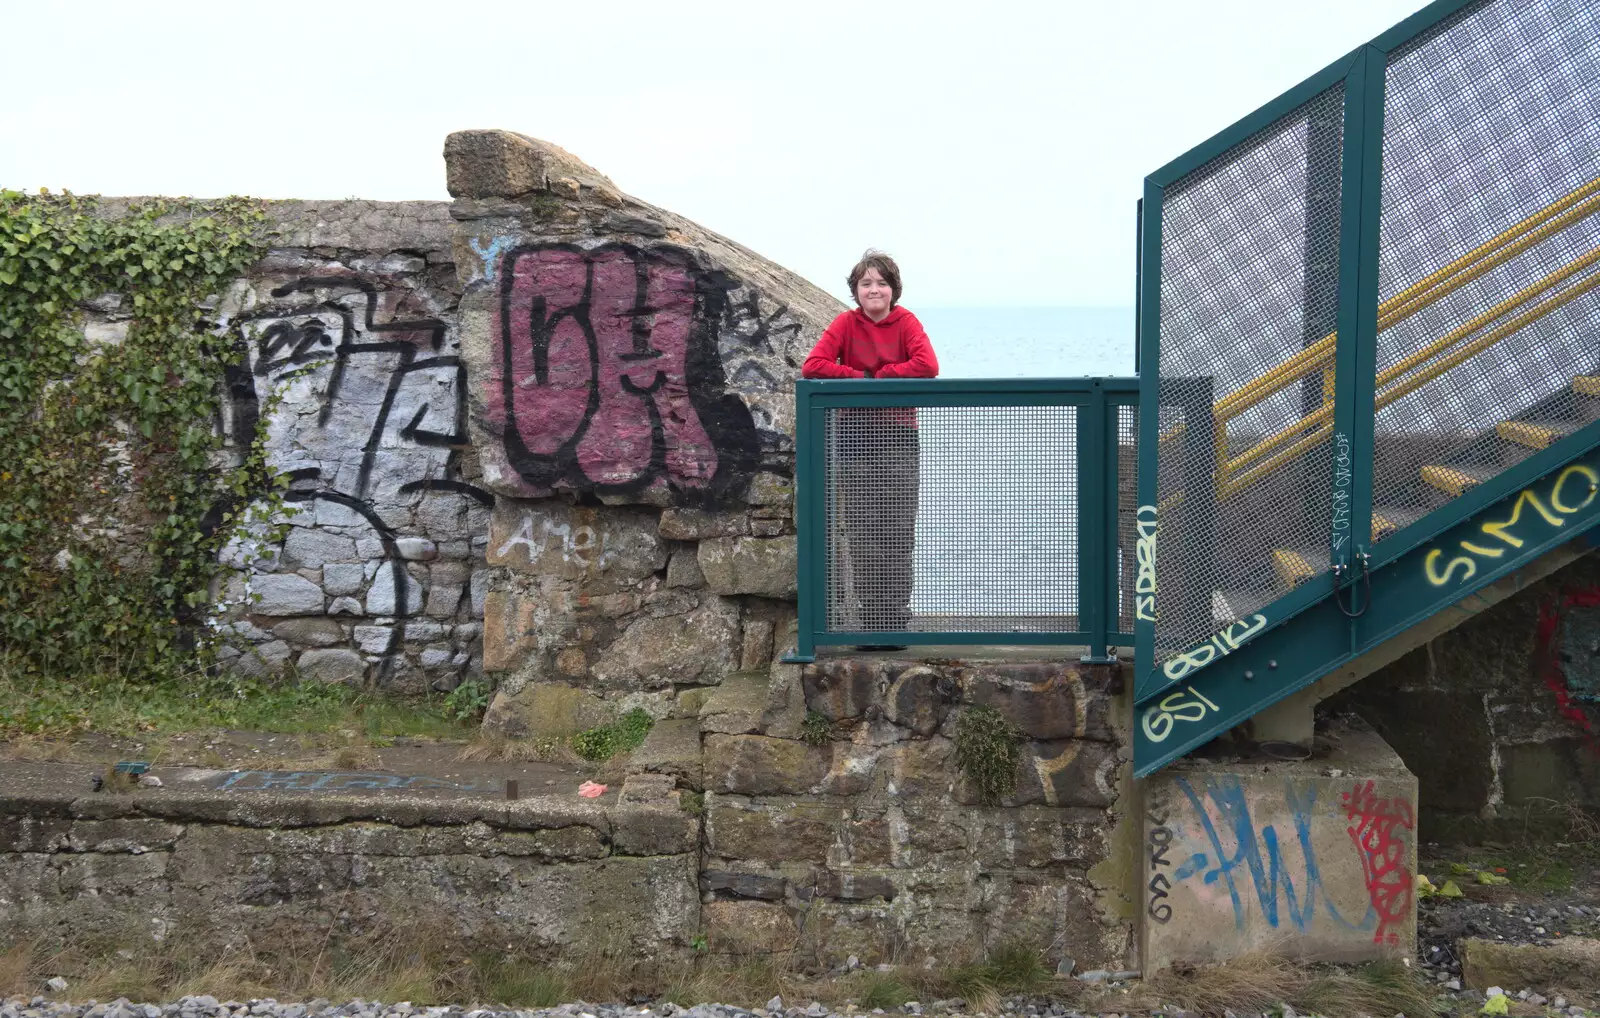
pixel 951 519
pixel 1248 306
pixel 1489 248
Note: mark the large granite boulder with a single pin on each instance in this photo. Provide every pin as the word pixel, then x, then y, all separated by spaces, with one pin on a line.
pixel 616 348
pixel 631 406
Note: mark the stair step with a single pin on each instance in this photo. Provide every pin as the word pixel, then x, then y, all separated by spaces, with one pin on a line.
pixel 1536 436
pixel 1389 519
pixel 1586 385
pixel 1296 567
pixel 1230 605
pixel 1455 481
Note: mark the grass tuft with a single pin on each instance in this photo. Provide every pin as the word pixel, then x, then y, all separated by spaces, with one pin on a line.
pixel 41 707
pixel 1262 983
pixel 883 991
pixel 816 730
pixel 621 736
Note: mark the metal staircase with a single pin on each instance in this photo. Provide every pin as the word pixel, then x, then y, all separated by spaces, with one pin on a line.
pixel 1370 357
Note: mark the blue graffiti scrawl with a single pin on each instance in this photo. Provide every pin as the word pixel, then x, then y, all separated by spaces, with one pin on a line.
pixel 1257 865
pixel 345 781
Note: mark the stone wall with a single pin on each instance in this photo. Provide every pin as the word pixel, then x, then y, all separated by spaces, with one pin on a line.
pixel 858 826
pixel 632 406
pixel 1498 718
pixel 544 432
pixel 559 875
pixel 856 833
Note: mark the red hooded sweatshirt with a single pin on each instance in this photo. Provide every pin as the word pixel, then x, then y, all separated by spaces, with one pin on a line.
pixel 854 344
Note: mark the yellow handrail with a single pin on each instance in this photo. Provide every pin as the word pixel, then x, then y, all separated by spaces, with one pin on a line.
pixel 1228 485
pixel 1415 297
pixel 1256 451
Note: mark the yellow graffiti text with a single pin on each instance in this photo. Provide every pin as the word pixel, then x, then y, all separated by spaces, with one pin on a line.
pixel 1219 646
pixel 1187 704
pixel 1464 567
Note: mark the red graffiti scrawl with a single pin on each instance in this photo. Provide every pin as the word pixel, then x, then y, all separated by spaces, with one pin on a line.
pixel 1383 855
pixel 608 369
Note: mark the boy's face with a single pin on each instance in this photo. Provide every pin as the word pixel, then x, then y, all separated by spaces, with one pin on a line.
pixel 874 294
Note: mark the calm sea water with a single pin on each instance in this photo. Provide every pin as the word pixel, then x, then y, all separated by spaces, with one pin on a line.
pixel 1030 342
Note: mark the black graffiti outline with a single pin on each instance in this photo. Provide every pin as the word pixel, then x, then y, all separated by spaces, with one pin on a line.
pixel 725 419
pixel 245 402
pixel 391 553
pixel 1160 886
pixel 277 335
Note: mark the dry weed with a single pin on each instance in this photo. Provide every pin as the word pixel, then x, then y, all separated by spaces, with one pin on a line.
pixel 30 748
pixel 15 964
pixel 355 758
pixel 1261 982
pixel 305 958
pixel 494 747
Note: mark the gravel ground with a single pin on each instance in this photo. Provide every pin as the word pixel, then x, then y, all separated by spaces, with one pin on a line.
pixel 1511 915
pixel 210 1007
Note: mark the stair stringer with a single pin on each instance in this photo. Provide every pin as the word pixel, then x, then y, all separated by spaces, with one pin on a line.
pixel 1511 522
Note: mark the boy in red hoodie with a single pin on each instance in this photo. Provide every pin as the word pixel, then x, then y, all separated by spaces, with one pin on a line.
pixel 876 452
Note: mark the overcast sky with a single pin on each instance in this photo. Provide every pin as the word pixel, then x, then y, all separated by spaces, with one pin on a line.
pixel 995 147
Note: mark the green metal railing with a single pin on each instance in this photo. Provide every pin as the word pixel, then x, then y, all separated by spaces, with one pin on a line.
pixel 1020 501
pixel 1384 283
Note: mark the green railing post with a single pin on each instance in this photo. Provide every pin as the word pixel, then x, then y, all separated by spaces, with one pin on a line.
pixel 1355 352
pixel 1092 481
pixel 809 513
pixel 1148 326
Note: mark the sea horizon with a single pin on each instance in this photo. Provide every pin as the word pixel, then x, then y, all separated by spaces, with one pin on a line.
pixel 1030 342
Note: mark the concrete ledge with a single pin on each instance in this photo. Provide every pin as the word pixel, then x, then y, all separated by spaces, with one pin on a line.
pixel 1569 965
pixel 189 796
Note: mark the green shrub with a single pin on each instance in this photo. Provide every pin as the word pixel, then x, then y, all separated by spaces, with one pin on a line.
pixel 621 736
pixel 988 748
pixel 113 505
pixel 816 730
pixel 468 701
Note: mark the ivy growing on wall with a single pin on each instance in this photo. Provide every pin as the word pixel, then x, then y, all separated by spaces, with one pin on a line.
pixel 113 490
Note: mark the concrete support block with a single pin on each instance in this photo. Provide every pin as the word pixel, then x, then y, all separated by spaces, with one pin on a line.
pixel 1316 859
pixel 1292 719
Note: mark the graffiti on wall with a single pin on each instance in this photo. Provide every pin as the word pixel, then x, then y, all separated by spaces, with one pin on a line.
pixel 1186 704
pixel 1222 643
pixel 346 781
pixel 1260 871
pixel 1565 657
pixel 1159 844
pixel 1341 491
pixel 608 376
pixel 361 413
pixel 1378 821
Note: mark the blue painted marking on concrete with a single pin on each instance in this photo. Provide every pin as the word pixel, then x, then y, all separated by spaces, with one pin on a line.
pixel 1270 878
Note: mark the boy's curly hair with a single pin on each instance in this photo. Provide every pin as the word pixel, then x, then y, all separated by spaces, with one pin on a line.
pixel 875 259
